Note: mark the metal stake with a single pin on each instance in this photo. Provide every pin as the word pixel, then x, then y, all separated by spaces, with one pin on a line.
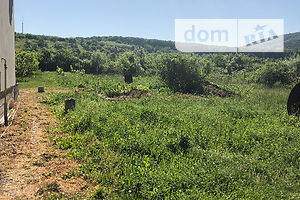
pixel 5 93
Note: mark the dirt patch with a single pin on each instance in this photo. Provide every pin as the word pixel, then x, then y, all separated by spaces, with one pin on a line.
pixel 30 167
pixel 215 90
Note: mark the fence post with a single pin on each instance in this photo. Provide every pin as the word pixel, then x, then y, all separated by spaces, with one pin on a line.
pixel 41 89
pixel 69 105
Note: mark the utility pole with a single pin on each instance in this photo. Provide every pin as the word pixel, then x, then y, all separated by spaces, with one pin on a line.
pixel 237 35
pixel 22 25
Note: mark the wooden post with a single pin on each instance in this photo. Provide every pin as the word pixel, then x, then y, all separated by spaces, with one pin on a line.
pixel 70 105
pixel 293 104
pixel 128 78
pixel 16 92
pixel 41 89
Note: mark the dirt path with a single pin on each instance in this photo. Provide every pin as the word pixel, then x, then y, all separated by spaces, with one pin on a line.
pixel 30 167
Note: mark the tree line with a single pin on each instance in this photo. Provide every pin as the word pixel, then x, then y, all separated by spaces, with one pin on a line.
pixel 136 56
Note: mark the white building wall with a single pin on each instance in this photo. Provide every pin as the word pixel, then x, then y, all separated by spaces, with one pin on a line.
pixel 7 42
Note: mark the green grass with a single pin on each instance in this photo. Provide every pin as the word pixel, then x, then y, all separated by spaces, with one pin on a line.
pixel 168 146
pixel 49 80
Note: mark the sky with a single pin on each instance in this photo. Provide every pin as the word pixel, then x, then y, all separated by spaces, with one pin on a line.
pixel 152 19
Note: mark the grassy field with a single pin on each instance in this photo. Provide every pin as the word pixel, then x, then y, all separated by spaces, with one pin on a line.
pixel 175 146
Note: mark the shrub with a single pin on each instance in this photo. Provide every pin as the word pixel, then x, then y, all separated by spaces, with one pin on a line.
pixel 273 72
pixel 295 65
pixel 72 70
pixel 180 73
pixel 26 64
pixel 60 71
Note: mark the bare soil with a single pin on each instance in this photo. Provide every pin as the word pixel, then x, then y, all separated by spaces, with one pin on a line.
pixel 30 166
pixel 216 90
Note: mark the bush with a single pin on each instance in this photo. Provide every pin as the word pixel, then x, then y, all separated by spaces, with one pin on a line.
pixel 26 64
pixel 273 72
pixel 295 65
pixel 129 64
pixel 60 71
pixel 180 73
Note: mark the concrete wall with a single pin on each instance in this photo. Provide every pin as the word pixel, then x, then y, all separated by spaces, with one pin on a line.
pixel 7 42
pixel 7 51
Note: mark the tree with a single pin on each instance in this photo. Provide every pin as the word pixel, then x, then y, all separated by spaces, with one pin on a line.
pixel 46 59
pixel 64 59
pixel 98 63
pixel 128 63
pixel 26 64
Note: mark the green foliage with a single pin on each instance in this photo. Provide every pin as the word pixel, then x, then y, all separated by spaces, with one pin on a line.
pixel 174 147
pixel 64 58
pixel 72 70
pixel 104 85
pixel 99 62
pixel 95 55
pixel 292 41
pixel 110 55
pixel 129 63
pixel 207 66
pixel 60 71
pixel 125 64
pixel 181 74
pixel 166 145
pixel 295 65
pixel 46 79
pixel 149 143
pixel 273 72
pixel 26 64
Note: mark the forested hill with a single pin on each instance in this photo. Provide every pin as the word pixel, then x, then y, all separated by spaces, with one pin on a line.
pixel 94 55
pixel 292 41
pixel 103 54
pixel 111 44
pixel 115 44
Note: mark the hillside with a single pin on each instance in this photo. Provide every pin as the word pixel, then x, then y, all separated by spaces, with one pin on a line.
pixel 117 43
pixel 111 44
pixel 105 55
pixel 292 41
